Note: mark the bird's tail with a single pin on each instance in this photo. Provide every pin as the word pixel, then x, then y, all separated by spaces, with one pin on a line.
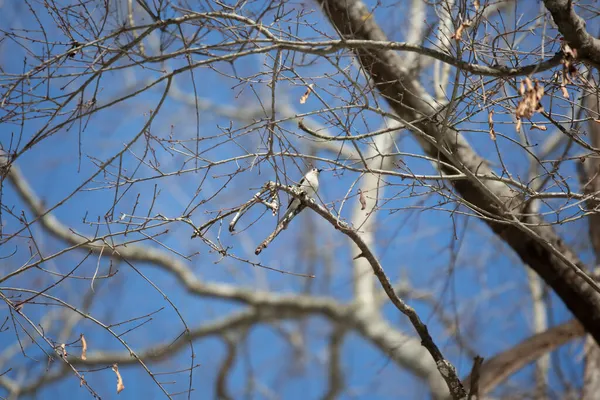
pixel 290 214
pixel 287 217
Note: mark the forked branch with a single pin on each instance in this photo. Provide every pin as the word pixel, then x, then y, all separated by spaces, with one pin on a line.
pixel 444 366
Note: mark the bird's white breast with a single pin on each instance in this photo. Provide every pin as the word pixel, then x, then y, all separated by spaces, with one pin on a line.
pixel 311 185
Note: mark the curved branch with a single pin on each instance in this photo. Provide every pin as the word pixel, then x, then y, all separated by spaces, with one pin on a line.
pixel 404 350
pixel 444 366
pixel 536 243
pixel 498 368
pixel 572 27
pixel 318 47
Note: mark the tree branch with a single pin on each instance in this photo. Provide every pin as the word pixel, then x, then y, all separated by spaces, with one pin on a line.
pixel 536 243
pixel 498 368
pixel 404 350
pixel 572 27
pixel 444 366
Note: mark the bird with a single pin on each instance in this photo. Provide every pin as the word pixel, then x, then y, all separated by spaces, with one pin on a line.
pixel 309 184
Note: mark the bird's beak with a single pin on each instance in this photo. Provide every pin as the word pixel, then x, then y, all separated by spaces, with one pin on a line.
pixel 320 170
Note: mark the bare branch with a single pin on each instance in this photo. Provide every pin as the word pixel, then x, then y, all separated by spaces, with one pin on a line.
pixel 538 246
pixel 499 367
pixel 444 366
pixel 572 27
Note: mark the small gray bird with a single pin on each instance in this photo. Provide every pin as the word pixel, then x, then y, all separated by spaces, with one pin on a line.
pixel 309 184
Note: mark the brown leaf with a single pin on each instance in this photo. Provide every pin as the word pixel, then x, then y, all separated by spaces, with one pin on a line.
pixel 569 71
pixel 568 51
pixel 476 5
pixel 531 96
pixel 120 385
pixel 565 92
pixel 83 347
pixel 539 91
pixel 528 83
pixel 522 88
pixel 458 34
pixel 307 93
pixel 540 127
pixel 491 124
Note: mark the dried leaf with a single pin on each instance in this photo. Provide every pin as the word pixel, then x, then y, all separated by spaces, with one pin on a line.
pixel 362 200
pixel 120 385
pixel 565 92
pixel 569 71
pixel 476 5
pixel 528 83
pixel 522 88
pixel 458 34
pixel 304 97
pixel 83 347
pixel 567 50
pixel 531 93
pixel 540 127
pixel 539 91
pixel 491 124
